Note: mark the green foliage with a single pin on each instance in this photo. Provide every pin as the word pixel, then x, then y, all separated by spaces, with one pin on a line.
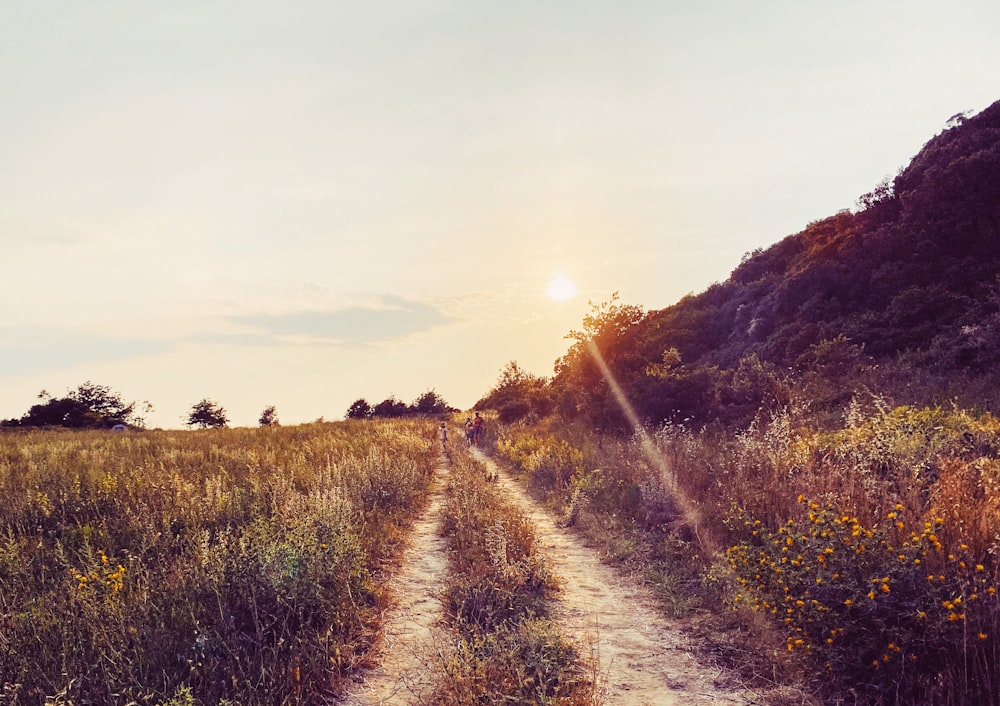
pixel 428 404
pixel 549 463
pixel 880 609
pixel 89 406
pixel 206 413
pixel 359 409
pixel 517 394
pixel 269 416
pixel 899 296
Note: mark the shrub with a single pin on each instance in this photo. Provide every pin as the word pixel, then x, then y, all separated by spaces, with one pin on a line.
pixel 885 610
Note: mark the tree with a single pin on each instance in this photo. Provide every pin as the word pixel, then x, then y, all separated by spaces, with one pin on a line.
pixel 603 327
pixel 206 413
pixel 89 406
pixel 359 409
pixel 390 407
pixel 269 417
pixel 584 382
pixel 429 404
pixel 517 394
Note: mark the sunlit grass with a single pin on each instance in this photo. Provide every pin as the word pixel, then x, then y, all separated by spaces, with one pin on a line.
pixel 866 555
pixel 505 649
pixel 232 564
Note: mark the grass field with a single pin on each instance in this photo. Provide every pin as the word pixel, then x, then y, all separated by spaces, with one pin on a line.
pixel 220 566
pixel 861 561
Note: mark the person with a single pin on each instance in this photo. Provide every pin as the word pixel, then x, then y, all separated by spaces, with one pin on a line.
pixel 468 430
pixel 477 429
pixel 443 432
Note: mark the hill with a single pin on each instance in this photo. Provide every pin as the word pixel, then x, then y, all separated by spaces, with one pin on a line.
pixel 900 296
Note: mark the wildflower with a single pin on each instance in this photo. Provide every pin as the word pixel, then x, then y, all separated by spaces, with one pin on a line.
pixel 982 636
pixel 979 567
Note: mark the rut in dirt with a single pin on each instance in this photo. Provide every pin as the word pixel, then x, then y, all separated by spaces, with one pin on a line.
pixel 403 674
pixel 639 657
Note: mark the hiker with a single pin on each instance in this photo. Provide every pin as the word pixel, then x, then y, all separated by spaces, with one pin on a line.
pixel 468 430
pixel 477 429
pixel 443 432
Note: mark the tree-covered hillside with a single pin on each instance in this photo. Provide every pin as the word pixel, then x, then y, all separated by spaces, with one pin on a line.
pixel 901 295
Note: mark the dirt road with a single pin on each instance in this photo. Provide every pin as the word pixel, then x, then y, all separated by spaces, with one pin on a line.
pixel 642 660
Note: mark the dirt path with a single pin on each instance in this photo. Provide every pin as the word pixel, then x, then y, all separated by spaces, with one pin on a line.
pixel 408 633
pixel 643 661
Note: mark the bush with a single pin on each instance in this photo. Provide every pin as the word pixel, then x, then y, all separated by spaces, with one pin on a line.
pixel 885 610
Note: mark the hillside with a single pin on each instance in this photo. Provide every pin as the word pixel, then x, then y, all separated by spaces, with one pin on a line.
pixel 901 296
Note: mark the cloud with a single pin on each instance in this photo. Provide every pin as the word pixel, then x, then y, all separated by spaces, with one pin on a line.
pixel 391 317
pixel 27 349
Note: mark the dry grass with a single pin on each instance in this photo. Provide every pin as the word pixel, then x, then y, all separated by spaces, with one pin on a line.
pixel 231 565
pixel 504 650
pixel 823 542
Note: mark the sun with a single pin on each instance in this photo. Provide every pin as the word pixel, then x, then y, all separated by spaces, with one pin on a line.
pixel 561 288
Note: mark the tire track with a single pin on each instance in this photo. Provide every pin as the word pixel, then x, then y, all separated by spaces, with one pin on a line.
pixel 404 671
pixel 642 660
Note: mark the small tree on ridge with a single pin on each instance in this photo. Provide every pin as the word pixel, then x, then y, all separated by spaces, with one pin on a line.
pixel 206 413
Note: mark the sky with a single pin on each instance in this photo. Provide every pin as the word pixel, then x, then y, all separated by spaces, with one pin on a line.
pixel 302 203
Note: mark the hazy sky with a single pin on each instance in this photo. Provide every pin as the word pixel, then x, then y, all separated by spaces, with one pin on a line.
pixel 302 203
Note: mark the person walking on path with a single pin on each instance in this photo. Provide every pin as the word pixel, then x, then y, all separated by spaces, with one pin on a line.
pixel 443 433
pixel 477 429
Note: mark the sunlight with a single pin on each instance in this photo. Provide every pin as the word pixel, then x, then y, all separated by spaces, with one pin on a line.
pixel 561 288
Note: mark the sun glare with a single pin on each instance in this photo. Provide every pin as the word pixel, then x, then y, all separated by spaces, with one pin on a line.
pixel 561 288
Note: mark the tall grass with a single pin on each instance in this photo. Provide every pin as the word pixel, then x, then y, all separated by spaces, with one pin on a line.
pixel 505 650
pixel 233 565
pixel 866 554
